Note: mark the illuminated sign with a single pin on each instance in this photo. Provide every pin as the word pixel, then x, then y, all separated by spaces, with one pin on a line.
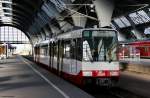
pixel 98 33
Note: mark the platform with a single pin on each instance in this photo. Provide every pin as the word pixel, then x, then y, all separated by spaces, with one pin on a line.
pixel 20 78
pixel 136 76
pixel 146 62
pixel 135 82
pixel 136 65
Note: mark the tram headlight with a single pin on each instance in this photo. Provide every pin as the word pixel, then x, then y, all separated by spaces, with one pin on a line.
pixel 87 73
pixel 114 73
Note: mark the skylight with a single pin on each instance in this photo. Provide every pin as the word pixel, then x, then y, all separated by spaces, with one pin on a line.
pixel 6 11
pixel 147 30
pixel 125 21
pixel 119 22
pixel 139 17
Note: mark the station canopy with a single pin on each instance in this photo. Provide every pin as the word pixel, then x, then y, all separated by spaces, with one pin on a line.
pixel 30 16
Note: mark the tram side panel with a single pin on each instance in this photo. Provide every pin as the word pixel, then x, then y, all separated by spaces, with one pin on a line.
pixel 44 55
pixel 62 60
pixel 72 58
pixel 53 57
pixel 37 54
pixel 68 58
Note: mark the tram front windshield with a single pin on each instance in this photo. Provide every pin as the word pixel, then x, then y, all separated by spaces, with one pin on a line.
pixel 99 45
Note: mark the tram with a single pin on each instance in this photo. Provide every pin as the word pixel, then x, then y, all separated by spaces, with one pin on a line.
pixel 83 56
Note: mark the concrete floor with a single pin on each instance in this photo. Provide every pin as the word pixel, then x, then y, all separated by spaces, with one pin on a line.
pixel 135 82
pixel 136 78
pixel 20 78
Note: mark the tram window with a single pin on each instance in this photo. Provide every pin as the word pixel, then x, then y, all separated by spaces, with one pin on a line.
pixel 55 50
pixel 46 51
pixel 73 49
pixel 61 49
pixel 99 49
pixel 79 49
pixel 41 52
pixel 67 49
pixel 52 49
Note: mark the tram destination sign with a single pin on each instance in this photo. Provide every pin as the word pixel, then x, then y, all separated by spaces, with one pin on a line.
pixel 109 33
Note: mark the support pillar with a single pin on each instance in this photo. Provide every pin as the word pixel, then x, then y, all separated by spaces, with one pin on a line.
pixel 79 20
pixel 104 10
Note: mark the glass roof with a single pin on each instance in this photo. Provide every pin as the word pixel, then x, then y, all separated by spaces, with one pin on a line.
pixel 147 30
pixel 125 21
pixel 122 22
pixel 6 11
pixel 139 17
pixel 11 34
pixel 119 23
pixel 112 25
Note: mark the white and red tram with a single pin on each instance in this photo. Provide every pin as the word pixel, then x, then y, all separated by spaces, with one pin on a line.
pixel 82 56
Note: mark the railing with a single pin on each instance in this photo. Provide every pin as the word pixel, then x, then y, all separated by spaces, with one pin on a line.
pixel 131 57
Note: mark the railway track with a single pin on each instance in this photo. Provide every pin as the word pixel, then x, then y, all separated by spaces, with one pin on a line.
pixel 116 92
pixel 116 95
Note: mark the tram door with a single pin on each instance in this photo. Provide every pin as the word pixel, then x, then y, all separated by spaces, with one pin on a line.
pixel 50 55
pixel 38 54
pixel 60 57
pixel 73 52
